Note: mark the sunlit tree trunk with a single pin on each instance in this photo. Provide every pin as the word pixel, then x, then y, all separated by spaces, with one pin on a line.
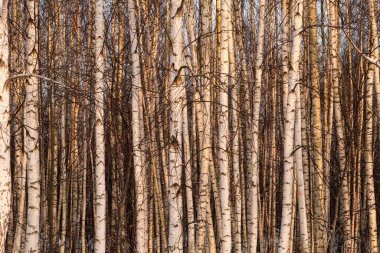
pixel 320 218
pixel 63 147
pixel 373 15
pixel 188 176
pixel 371 79
pixel 189 163
pixel 84 184
pixel 245 136
pixel 139 168
pixel 205 132
pixel 5 172
pixel 53 140
pixel 285 48
pixel 63 190
pixel 301 196
pixel 372 225
pixel 294 81
pixel 215 97
pixel 20 159
pixel 31 134
pixel 100 191
pixel 254 181
pixel 177 100
pixel 223 126
pixel 234 131
pixel 201 107
pixel 339 127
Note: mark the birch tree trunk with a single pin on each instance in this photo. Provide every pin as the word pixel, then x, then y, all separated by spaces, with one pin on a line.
pixel 5 158
pixel 372 13
pixel 294 81
pixel 20 159
pixel 31 133
pixel 234 131
pixel 328 115
pixel 320 213
pixel 177 100
pixel 63 190
pixel 301 198
pixel 372 225
pixel 225 9
pixel 64 154
pixel 205 130
pixel 139 169
pixel 188 176
pixel 285 50
pixel 254 220
pixel 339 128
pixel 100 191
pixel 371 80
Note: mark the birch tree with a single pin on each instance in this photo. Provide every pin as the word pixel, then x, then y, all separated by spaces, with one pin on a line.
pixel 177 100
pixel 31 135
pixel 339 125
pixel 205 129
pixel 318 172
pixel 372 225
pixel 17 129
pixel 294 81
pixel 301 196
pixel 225 9
pixel 253 226
pixel 141 198
pixel 5 159
pixel 375 44
pixel 100 191
pixel 372 78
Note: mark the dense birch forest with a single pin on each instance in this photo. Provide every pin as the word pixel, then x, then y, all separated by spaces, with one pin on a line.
pixel 156 126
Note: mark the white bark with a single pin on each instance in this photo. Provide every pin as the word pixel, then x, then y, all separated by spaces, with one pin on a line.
pixel 21 166
pixel 177 99
pixel 300 177
pixel 375 45
pixel 333 19
pixel 20 159
pixel 253 224
pixel 100 191
pixel 5 173
pixel 63 190
pixel 320 213
pixel 294 79
pixel 31 134
pixel 371 204
pixel 139 169
pixel 204 122
pixel 223 128
pixel 285 49
pixel 372 77
pixel 189 187
pixel 234 132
